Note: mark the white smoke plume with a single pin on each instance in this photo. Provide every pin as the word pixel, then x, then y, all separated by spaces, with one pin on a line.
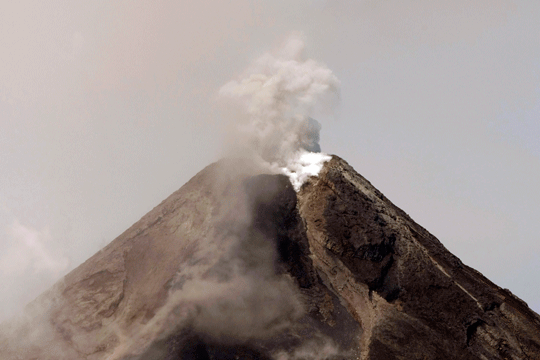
pixel 274 99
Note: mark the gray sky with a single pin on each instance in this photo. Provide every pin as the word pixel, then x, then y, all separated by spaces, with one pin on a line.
pixel 108 107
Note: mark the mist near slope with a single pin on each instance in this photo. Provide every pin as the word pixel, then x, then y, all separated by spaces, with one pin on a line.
pixel 270 105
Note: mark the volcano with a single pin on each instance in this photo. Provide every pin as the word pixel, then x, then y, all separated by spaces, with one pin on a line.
pixel 236 264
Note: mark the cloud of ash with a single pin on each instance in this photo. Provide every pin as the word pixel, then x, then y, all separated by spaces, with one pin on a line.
pixel 271 107
pixel 230 292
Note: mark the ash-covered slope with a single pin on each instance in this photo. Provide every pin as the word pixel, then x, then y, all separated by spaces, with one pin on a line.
pixel 237 265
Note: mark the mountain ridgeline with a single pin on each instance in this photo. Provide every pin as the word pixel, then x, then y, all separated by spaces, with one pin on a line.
pixel 237 265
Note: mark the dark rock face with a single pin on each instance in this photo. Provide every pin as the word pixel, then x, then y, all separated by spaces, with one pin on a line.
pixel 237 265
pixel 412 297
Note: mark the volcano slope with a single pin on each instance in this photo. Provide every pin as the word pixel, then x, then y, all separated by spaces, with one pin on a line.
pixel 237 265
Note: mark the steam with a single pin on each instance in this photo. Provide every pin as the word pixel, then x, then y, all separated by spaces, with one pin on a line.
pixel 27 257
pixel 30 252
pixel 274 100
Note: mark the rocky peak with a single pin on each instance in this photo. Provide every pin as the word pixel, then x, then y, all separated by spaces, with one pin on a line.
pixel 237 265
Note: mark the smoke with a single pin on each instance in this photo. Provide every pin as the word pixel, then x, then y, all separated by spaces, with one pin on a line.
pixel 233 290
pixel 271 107
pixel 231 293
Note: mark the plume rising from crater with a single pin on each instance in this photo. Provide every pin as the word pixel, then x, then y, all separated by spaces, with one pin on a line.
pixel 273 101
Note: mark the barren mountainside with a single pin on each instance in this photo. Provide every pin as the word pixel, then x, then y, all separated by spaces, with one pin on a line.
pixel 237 265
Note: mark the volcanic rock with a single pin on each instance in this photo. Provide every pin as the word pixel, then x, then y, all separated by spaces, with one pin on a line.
pixel 237 265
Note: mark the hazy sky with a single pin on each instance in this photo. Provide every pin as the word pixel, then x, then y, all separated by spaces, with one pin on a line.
pixel 107 107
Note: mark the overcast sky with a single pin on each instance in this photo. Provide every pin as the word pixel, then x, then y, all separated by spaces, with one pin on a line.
pixel 107 107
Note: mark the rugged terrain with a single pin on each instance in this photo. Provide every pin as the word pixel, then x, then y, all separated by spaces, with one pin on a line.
pixel 237 265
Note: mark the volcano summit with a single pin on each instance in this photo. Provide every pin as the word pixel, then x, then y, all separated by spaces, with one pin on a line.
pixel 282 254
pixel 238 265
